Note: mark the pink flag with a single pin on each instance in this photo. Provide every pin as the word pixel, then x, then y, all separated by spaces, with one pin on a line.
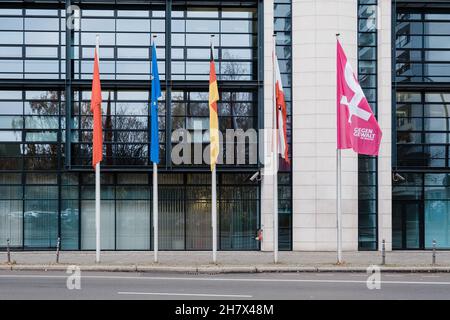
pixel 357 127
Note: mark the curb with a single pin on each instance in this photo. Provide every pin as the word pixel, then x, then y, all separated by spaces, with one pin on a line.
pixel 216 269
pixel 167 269
pixel 262 269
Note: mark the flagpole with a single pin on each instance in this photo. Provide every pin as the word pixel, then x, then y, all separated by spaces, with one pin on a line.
pixel 213 193
pixel 155 200
pixel 338 198
pixel 97 188
pixel 214 213
pixel 275 160
pixel 155 211
pixel 339 206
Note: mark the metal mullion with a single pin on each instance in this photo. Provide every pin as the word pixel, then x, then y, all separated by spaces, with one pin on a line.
pixel 23 44
pixel 185 207
pixel 59 200
pixel 168 82
pixel 23 169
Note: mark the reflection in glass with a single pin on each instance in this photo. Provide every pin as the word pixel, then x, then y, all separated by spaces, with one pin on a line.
pixel 11 222
pixel 40 223
pixel 69 224
pixel 133 224
pixel 171 218
pixel 88 224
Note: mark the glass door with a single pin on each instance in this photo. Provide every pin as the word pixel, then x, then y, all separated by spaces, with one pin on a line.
pixel 407 225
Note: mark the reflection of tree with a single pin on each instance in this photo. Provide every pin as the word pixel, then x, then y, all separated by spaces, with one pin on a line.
pixel 45 156
pixel 125 137
pixel 236 104
pixel 232 101
pixel 47 104
pixel 43 113
pixel 108 131
pixel 178 110
pixel 130 148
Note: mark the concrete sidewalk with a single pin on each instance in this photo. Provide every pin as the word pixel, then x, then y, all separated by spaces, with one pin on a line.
pixel 228 261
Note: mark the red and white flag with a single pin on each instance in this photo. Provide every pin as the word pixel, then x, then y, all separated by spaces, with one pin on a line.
pixel 357 127
pixel 281 113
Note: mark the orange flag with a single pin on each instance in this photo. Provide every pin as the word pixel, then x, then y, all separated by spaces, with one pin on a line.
pixel 96 108
pixel 213 116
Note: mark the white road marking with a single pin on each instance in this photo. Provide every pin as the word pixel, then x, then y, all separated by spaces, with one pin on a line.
pixel 186 294
pixel 445 283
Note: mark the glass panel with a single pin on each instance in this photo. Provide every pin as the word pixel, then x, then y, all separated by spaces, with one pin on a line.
pixel 237 26
pixel 88 225
pixel 42 52
pixel 41 223
pixel 97 25
pixel 238 223
pixel 11 216
pixel 11 23
pixel 41 12
pixel 282 10
pixel 38 136
pixel 5 94
pixel 437 222
pixel 397 223
pixel 171 215
pixel 198 224
pixel 132 178
pixel 41 38
pixel 408 97
pixel 11 122
pixel 10 136
pixel 69 224
pixel 133 224
pixel 10 178
pixel 50 24
pixel 41 122
pixel 11 66
pixel 412 225
pixel 202 13
pixel 11 38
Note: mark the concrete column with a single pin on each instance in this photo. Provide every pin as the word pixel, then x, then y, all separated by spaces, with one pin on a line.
pixel 385 121
pixel 315 24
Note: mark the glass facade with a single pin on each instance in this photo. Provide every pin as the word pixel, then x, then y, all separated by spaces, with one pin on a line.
pixel 283 30
pixel 367 166
pixel 422 49
pixel 46 178
pixel 420 199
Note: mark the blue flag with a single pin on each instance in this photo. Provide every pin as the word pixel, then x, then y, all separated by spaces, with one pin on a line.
pixel 156 93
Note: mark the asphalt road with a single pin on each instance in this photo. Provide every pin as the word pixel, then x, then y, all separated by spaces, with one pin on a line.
pixel 268 286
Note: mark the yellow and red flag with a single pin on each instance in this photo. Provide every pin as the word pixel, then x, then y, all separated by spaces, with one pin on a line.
pixel 96 108
pixel 213 115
